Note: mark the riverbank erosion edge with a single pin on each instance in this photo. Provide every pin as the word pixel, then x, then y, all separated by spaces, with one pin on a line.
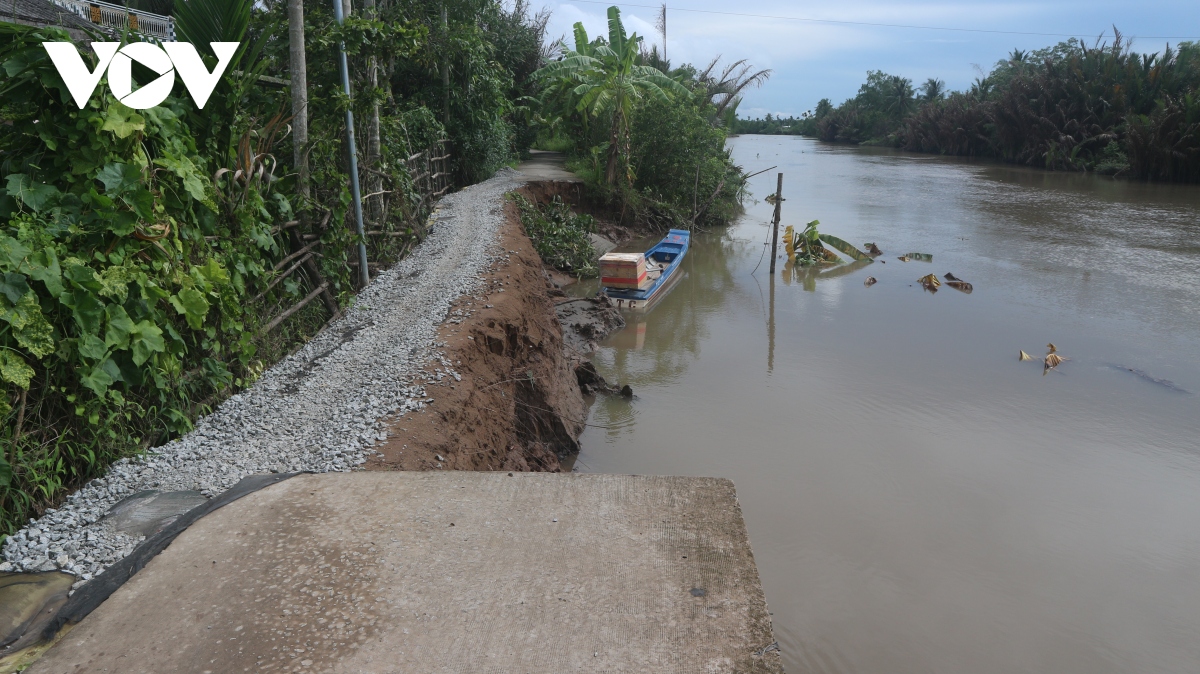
pixel 506 389
pixel 322 409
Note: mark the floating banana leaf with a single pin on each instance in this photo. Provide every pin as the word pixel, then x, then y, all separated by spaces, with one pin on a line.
pixel 845 248
pixel 961 286
pixel 789 242
pixel 919 257
pixel 1053 360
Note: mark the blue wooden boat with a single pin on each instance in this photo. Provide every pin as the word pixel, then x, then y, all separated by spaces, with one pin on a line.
pixel 664 257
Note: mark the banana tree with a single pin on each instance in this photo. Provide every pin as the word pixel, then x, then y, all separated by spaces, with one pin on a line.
pixel 807 248
pixel 607 80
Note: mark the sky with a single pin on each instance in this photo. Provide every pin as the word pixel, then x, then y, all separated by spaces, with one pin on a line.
pixel 811 60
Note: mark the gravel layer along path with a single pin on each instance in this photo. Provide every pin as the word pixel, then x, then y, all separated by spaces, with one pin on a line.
pixel 317 410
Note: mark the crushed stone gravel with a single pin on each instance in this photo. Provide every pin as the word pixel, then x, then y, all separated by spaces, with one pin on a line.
pixel 320 409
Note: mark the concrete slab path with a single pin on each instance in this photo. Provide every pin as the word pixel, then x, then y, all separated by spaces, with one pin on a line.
pixel 543 165
pixel 445 572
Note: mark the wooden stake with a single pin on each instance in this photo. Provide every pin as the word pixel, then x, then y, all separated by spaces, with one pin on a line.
pixel 775 223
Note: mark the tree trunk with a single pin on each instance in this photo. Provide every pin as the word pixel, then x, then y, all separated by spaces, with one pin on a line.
pixel 614 150
pixel 445 65
pixel 374 147
pixel 299 77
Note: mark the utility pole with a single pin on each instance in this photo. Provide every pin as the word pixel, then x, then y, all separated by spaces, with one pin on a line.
pixel 775 223
pixel 662 28
pixel 364 274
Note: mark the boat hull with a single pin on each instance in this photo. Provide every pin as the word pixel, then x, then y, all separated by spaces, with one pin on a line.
pixel 669 252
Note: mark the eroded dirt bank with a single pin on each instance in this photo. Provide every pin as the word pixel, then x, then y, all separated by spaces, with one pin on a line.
pixel 516 404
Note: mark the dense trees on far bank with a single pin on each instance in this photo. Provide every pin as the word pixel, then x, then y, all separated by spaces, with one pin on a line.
pixel 774 126
pixel 1103 108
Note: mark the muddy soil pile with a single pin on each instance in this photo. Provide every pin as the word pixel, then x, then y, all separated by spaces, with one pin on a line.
pixel 586 321
pixel 507 394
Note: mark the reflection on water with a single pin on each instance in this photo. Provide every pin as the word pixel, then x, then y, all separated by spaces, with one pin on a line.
pixel 919 500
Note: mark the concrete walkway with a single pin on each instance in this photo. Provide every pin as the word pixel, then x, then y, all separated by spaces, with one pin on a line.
pixel 550 166
pixel 445 572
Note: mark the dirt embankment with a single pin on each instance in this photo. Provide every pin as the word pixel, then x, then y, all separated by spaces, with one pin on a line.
pixel 518 405
pixel 607 221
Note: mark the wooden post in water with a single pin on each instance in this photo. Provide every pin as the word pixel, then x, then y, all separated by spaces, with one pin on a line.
pixel 775 222
pixel 771 330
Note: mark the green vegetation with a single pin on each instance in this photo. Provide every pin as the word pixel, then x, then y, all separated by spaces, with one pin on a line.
pixel 647 138
pixel 604 81
pixel 808 247
pixel 142 253
pixel 559 235
pixel 776 126
pixel 1069 107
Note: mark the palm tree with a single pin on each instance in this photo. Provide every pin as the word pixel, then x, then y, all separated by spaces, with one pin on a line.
pixel 606 79
pixel 655 60
pixel 725 89
pixel 981 88
pixel 933 90
pixel 898 95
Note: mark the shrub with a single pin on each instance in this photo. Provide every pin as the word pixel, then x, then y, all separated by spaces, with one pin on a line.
pixel 560 235
pixel 132 286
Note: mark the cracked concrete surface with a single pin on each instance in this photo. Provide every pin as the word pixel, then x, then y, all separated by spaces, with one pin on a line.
pixel 445 572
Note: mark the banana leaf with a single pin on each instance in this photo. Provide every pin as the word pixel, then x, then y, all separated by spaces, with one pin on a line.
pixel 789 242
pixel 845 248
pixel 919 257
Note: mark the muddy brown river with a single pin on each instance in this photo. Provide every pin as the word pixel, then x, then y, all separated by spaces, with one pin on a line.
pixel 917 498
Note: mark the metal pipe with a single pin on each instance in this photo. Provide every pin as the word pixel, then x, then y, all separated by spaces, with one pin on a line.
pixel 355 192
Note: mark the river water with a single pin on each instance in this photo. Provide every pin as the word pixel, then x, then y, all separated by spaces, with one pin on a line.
pixel 917 498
